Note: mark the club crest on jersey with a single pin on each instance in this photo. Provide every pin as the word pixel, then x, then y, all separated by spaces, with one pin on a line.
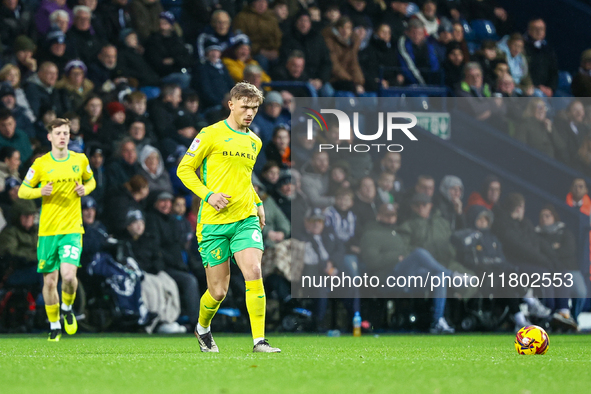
pixel 76 169
pixel 254 147
pixel 194 145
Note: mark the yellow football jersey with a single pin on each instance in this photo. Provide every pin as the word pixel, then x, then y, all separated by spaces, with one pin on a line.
pixel 226 158
pixel 61 212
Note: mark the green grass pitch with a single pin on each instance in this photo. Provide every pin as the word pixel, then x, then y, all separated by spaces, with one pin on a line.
pixel 308 364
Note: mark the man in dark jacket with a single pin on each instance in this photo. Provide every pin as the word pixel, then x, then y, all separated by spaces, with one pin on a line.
pixel 125 166
pixel 115 17
pixel 543 65
pixel 212 80
pixel 385 252
pixel 57 49
pixel 82 36
pixel 104 71
pixel 318 66
pixel 379 53
pixel 132 62
pixel 417 57
pixel 161 226
pixel 165 109
pixel 18 245
pixel 15 19
pixel 41 92
pixel 8 101
pixel 166 53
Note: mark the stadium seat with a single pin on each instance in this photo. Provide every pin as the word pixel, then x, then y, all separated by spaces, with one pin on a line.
pixel 468 31
pixel 150 91
pixel 565 79
pixel 484 30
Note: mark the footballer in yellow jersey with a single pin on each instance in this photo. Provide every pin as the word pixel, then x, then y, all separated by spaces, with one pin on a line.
pixel 60 178
pixel 231 214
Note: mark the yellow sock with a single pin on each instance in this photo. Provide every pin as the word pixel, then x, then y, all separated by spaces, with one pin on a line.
pixel 68 299
pixel 53 312
pixel 207 309
pixel 256 303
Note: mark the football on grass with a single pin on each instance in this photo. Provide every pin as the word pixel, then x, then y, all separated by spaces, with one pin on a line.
pixel 532 340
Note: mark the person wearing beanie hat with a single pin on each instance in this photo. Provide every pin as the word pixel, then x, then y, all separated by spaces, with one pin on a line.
pixel 24 43
pixel 213 78
pixel 167 54
pixel 75 83
pixel 116 122
pixel 57 49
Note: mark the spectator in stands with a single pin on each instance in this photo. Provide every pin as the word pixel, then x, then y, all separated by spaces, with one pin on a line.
pixel 91 121
pixel 339 177
pixel 343 45
pixel 97 161
pixel 236 58
pixel 288 194
pixel 396 15
pixel 278 149
pixel 116 16
pixel 137 104
pixel 122 199
pixel 221 34
pixel 137 131
pixel 8 101
pixel 132 62
pixel 95 238
pixel 449 201
pixel 57 49
pixel 269 176
pixel 96 21
pixel 453 66
pixel 260 25
pixel 478 105
pixel 581 85
pixel 277 226
pixel 443 38
pixel 46 116
pixel 365 207
pixel 18 246
pixel 489 10
pixel 41 92
pixel 523 247
pixel 282 14
pixel 125 166
pixel 488 57
pixel 293 71
pixel 114 127
pixel 571 129
pixel 161 226
pixel 537 131
pixel 428 15
pixel 385 186
pixel 104 73
pixel 318 66
pixel 191 109
pixel 10 75
pixel 76 143
pixel 152 168
pixel 145 17
pixel 513 47
pixel 541 57
pixel 45 9
pixel 390 163
pixel 562 240
pixel 212 80
pixel 81 35
pixel 24 52
pixel 458 36
pixel 15 19
pixel 167 54
pixel 60 21
pixel 578 197
pixel 76 86
pixel 417 56
pixel 489 194
pixel 9 197
pixel 269 118
pixel 10 136
pixel 253 74
pixel 10 161
pixel 380 53
pixel 425 185
pixel 315 182
pixel 165 109
pixel 386 252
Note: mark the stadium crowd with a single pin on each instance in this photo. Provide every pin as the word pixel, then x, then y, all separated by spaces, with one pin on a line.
pixel 139 83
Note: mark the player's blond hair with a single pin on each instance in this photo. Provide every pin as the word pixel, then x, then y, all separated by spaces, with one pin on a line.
pixel 57 122
pixel 248 91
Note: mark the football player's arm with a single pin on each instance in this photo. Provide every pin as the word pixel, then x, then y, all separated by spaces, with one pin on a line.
pixel 28 189
pixel 88 177
pixel 257 199
pixel 187 169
